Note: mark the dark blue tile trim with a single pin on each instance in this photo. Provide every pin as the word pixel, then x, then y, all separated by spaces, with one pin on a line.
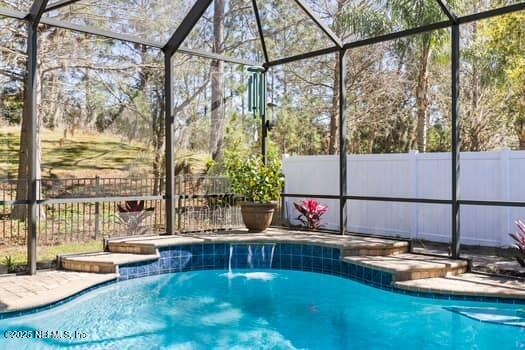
pixel 302 257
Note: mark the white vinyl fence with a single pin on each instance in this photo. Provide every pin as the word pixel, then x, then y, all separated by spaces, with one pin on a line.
pixel 484 176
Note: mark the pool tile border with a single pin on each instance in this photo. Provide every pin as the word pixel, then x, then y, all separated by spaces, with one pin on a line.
pixel 286 256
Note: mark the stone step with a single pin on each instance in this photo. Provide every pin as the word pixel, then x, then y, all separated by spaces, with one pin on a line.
pixel 351 245
pixel 131 248
pixel 104 262
pixel 407 266
pixel 379 248
pixel 149 245
pixel 468 284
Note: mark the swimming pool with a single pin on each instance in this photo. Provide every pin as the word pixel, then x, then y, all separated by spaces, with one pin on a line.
pixel 273 309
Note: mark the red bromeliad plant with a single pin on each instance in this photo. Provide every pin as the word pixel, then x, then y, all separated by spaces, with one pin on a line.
pixel 519 238
pixel 132 207
pixel 310 213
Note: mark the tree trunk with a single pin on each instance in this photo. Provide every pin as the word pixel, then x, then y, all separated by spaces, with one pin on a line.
pixel 522 143
pixel 370 142
pixel 158 148
pixel 334 113
pixel 422 96
pixel 218 119
pixel 519 128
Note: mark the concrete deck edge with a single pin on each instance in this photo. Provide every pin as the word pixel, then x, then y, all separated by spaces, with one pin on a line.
pixel 157 242
pixel 79 258
pixel 429 291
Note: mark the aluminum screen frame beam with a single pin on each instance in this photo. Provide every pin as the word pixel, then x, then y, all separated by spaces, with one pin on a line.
pixel 99 32
pixel 218 57
pixel 260 30
pixel 398 35
pixel 327 31
pixel 187 24
pixel 59 4
pixel 491 13
pixel 456 142
pixel 169 157
pixel 133 39
pixel 301 57
pixel 5 12
pixel 31 117
pixel 360 43
pixel 448 11
pixel 171 46
pixel 36 11
pixel 343 141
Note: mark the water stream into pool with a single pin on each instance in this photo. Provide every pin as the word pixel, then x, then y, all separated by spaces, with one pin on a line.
pixel 256 258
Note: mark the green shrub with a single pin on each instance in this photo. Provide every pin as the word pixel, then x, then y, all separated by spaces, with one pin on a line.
pixel 253 180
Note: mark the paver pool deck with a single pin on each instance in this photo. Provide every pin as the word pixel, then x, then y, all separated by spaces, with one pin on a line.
pixel 412 272
pixel 46 287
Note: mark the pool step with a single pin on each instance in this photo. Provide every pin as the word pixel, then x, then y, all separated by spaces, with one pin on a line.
pixel 408 266
pixel 373 252
pixel 468 284
pixel 382 248
pixel 352 245
pixel 131 248
pixel 104 262
pixel 149 245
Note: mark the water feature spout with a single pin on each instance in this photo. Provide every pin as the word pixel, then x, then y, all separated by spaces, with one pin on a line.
pixel 257 256
pixel 230 273
pixel 253 261
pixel 271 256
pixel 249 258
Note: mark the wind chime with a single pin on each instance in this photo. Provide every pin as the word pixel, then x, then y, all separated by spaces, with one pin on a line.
pixel 256 91
pixel 257 103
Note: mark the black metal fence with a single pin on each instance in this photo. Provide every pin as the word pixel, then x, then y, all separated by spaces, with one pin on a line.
pixel 83 209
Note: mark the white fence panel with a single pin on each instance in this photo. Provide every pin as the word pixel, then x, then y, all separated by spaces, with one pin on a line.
pixel 484 176
pixel 313 175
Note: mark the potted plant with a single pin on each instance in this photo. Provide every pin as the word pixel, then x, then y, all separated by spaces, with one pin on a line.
pixel 259 185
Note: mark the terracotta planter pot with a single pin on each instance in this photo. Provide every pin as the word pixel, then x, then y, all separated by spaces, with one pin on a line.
pixel 257 216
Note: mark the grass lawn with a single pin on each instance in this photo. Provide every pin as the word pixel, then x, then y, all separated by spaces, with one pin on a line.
pixel 15 258
pixel 87 155
pixel 83 155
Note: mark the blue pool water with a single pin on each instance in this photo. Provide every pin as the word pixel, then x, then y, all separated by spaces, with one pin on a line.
pixel 263 309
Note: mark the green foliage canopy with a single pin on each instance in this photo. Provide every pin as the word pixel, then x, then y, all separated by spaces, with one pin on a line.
pixel 252 179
